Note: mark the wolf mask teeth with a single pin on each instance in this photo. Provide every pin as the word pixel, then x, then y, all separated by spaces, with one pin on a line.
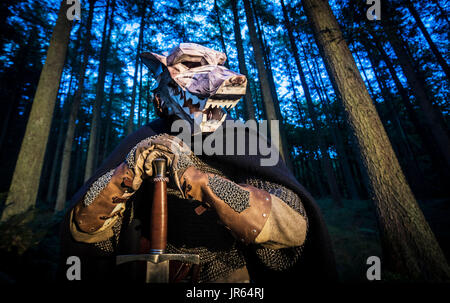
pixel 208 114
pixel 199 88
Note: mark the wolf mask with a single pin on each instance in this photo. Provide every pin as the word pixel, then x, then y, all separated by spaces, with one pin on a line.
pixel 194 85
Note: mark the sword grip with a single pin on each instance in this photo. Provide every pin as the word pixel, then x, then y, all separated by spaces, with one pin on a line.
pixel 158 223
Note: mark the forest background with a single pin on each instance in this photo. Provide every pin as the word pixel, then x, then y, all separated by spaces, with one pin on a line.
pixel 104 94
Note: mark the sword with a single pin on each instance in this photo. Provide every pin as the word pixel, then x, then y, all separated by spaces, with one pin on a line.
pixel 157 270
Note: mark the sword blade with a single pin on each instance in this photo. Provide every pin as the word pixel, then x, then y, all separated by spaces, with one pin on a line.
pixel 157 272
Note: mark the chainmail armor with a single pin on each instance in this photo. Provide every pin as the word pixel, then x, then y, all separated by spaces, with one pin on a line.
pixel 202 235
pixel 109 245
pixel 184 162
pixel 97 187
pixel 230 193
pixel 131 156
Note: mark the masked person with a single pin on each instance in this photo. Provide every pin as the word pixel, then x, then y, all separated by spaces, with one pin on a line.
pixel 247 222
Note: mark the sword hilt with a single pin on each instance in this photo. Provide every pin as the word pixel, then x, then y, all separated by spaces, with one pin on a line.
pixel 158 261
pixel 158 222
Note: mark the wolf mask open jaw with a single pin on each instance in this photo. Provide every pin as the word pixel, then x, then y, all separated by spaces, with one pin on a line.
pixel 194 85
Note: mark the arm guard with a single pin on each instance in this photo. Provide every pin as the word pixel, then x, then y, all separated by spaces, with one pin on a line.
pixel 93 217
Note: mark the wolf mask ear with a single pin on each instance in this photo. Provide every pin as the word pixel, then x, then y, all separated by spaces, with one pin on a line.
pixel 192 55
pixel 155 63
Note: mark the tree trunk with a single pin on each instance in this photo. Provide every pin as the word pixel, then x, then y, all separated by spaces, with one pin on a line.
pixel 427 36
pixel 70 132
pixel 366 79
pixel 266 55
pixel 108 114
pixel 58 153
pixel 140 96
pixel 130 123
pixel 224 50
pixel 337 138
pixel 25 182
pixel 76 179
pixel 427 142
pixel 249 109
pixel 350 180
pixel 409 245
pixel 296 99
pixel 326 161
pixel 315 173
pixel 269 104
pixel 415 176
pixel 13 84
pixel 432 118
pixel 221 37
pixel 99 93
pixel 149 100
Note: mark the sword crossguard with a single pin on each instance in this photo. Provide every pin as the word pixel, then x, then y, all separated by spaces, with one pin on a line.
pixel 158 258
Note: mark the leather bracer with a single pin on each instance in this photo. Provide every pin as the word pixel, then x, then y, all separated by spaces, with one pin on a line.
pixel 243 209
pixel 104 200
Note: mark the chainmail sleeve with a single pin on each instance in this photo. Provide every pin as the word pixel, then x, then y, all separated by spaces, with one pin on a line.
pixel 109 246
pixel 284 258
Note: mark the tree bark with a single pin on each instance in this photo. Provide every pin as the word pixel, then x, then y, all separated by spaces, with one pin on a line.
pixel 296 99
pixel 337 133
pixel 409 245
pixel 12 83
pixel 70 132
pixel 108 114
pixel 432 118
pixel 140 95
pixel 411 166
pixel 266 55
pixel 25 182
pixel 130 123
pixel 221 37
pixel 427 36
pixel 326 161
pixel 269 104
pixel 249 109
pixel 427 142
pixel 62 129
pixel 337 138
pixel 99 94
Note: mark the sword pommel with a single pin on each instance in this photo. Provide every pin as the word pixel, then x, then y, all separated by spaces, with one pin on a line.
pixel 159 166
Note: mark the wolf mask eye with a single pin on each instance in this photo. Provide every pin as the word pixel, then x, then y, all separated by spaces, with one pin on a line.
pixel 190 64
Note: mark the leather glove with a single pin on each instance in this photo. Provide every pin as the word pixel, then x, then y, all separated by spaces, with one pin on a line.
pixel 175 151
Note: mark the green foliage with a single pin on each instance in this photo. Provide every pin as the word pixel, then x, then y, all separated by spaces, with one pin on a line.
pixel 24 231
pixel 29 247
